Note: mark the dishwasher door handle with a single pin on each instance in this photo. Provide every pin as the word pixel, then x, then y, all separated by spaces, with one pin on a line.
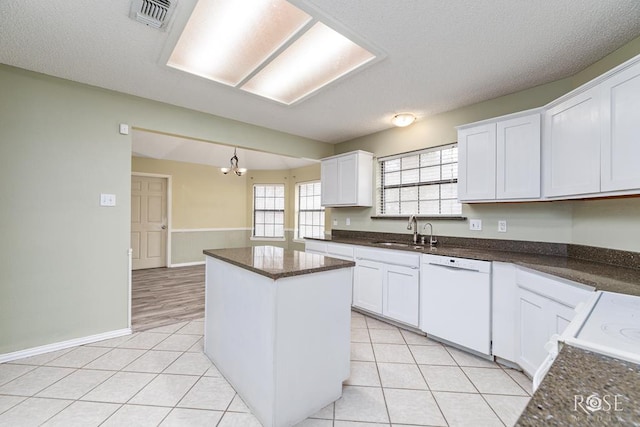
pixel 455 267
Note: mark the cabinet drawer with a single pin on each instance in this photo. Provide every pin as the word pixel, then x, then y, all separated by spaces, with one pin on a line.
pixel 315 247
pixel 388 256
pixel 560 290
pixel 340 251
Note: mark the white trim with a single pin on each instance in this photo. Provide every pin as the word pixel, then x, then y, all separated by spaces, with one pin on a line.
pixel 34 351
pixel 199 230
pixel 187 264
pixel 268 239
pixel 130 286
pixel 169 204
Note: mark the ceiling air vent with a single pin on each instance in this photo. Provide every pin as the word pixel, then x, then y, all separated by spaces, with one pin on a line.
pixel 154 13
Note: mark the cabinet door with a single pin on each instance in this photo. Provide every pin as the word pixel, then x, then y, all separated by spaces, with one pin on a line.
pixel 571 146
pixel 518 158
pixel 329 182
pixel 367 285
pixel 401 294
pixel 532 330
pixel 347 180
pixel 621 130
pixel 477 163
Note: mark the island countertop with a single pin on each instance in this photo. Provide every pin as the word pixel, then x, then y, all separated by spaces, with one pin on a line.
pixel 275 262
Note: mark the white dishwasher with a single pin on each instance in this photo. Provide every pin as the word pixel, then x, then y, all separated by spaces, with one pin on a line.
pixel 455 301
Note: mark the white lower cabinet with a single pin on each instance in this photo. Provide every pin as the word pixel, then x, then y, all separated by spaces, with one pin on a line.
pixel 387 282
pixel 544 306
pixel 367 285
pixel 401 294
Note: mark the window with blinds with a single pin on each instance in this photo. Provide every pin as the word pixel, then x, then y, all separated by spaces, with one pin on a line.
pixel 422 182
pixel 268 210
pixel 310 214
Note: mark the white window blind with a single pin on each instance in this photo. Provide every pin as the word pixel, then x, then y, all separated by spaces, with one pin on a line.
pixel 268 210
pixel 422 182
pixel 310 214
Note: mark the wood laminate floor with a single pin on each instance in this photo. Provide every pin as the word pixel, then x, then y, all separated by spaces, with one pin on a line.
pixel 162 296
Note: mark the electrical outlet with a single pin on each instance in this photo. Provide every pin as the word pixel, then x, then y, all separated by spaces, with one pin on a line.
pixel 107 199
pixel 475 224
pixel 502 226
pixel 335 222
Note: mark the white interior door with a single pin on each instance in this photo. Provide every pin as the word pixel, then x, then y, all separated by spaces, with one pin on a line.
pixel 148 222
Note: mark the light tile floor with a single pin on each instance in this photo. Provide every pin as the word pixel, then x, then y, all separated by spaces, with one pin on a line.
pixel 161 377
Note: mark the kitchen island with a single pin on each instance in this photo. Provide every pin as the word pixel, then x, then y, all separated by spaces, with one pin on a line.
pixel 277 326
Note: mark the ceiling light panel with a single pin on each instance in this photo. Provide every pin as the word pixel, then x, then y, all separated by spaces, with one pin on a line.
pixel 226 40
pixel 315 59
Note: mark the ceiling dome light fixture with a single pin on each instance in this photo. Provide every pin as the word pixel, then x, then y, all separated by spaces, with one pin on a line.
pixel 234 166
pixel 403 119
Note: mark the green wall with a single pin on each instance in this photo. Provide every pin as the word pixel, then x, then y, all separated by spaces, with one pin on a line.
pixel 64 259
pixel 606 223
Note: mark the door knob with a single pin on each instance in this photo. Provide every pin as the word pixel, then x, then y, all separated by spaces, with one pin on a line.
pixel 164 227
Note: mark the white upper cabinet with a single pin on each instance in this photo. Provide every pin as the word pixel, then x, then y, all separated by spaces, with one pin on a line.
pixel 347 179
pixel 477 162
pixel 572 145
pixel 620 101
pixel 499 159
pixel 518 158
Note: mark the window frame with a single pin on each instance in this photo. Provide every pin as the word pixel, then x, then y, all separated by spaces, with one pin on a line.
pixel 283 210
pixel 298 210
pixel 381 187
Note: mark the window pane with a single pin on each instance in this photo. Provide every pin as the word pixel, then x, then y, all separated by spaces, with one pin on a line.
pixel 449 191
pixel 268 230
pixel 317 188
pixel 269 191
pixel 279 203
pixel 451 207
pixel 279 190
pixel 269 203
pixel 259 190
pixel 259 230
pixel 408 208
pixel 278 217
pixel 450 155
pixel 430 207
pixel 392 178
pixel 303 190
pixel 392 195
pixel 431 158
pixel 408 193
pixel 259 217
pixel 410 176
pixel 450 171
pixel 392 208
pixel 429 192
pixel 410 162
pixel 316 202
pixel 431 173
pixel 392 165
pixel 260 203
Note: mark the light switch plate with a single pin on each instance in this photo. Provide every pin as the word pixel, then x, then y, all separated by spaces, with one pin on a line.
pixel 475 224
pixel 335 222
pixel 502 226
pixel 124 129
pixel 107 199
pixel 348 221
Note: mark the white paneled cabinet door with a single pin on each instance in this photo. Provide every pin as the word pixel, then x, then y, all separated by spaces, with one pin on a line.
pixel 621 130
pixel 329 183
pixel 367 285
pixel 347 180
pixel 518 158
pixel 477 163
pixel 401 294
pixel 571 146
pixel 532 330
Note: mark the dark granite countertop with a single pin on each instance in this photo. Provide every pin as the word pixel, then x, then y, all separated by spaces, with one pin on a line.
pixel 276 263
pixel 602 276
pixel 576 375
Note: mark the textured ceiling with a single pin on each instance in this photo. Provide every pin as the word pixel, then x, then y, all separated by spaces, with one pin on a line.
pixel 440 55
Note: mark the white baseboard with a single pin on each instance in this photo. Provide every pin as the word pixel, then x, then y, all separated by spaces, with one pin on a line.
pixel 187 264
pixel 34 351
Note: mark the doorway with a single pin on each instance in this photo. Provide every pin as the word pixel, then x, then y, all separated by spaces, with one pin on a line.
pixel 149 221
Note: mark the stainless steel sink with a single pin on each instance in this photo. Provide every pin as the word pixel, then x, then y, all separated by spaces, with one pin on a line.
pixel 399 245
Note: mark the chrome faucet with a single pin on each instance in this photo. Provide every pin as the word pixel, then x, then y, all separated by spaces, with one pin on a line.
pixel 413 223
pixel 432 239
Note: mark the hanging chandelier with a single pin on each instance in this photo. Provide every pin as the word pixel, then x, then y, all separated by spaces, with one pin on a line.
pixel 234 166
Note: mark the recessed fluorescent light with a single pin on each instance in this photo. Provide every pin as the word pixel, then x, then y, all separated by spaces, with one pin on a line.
pixel 227 40
pixel 315 59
